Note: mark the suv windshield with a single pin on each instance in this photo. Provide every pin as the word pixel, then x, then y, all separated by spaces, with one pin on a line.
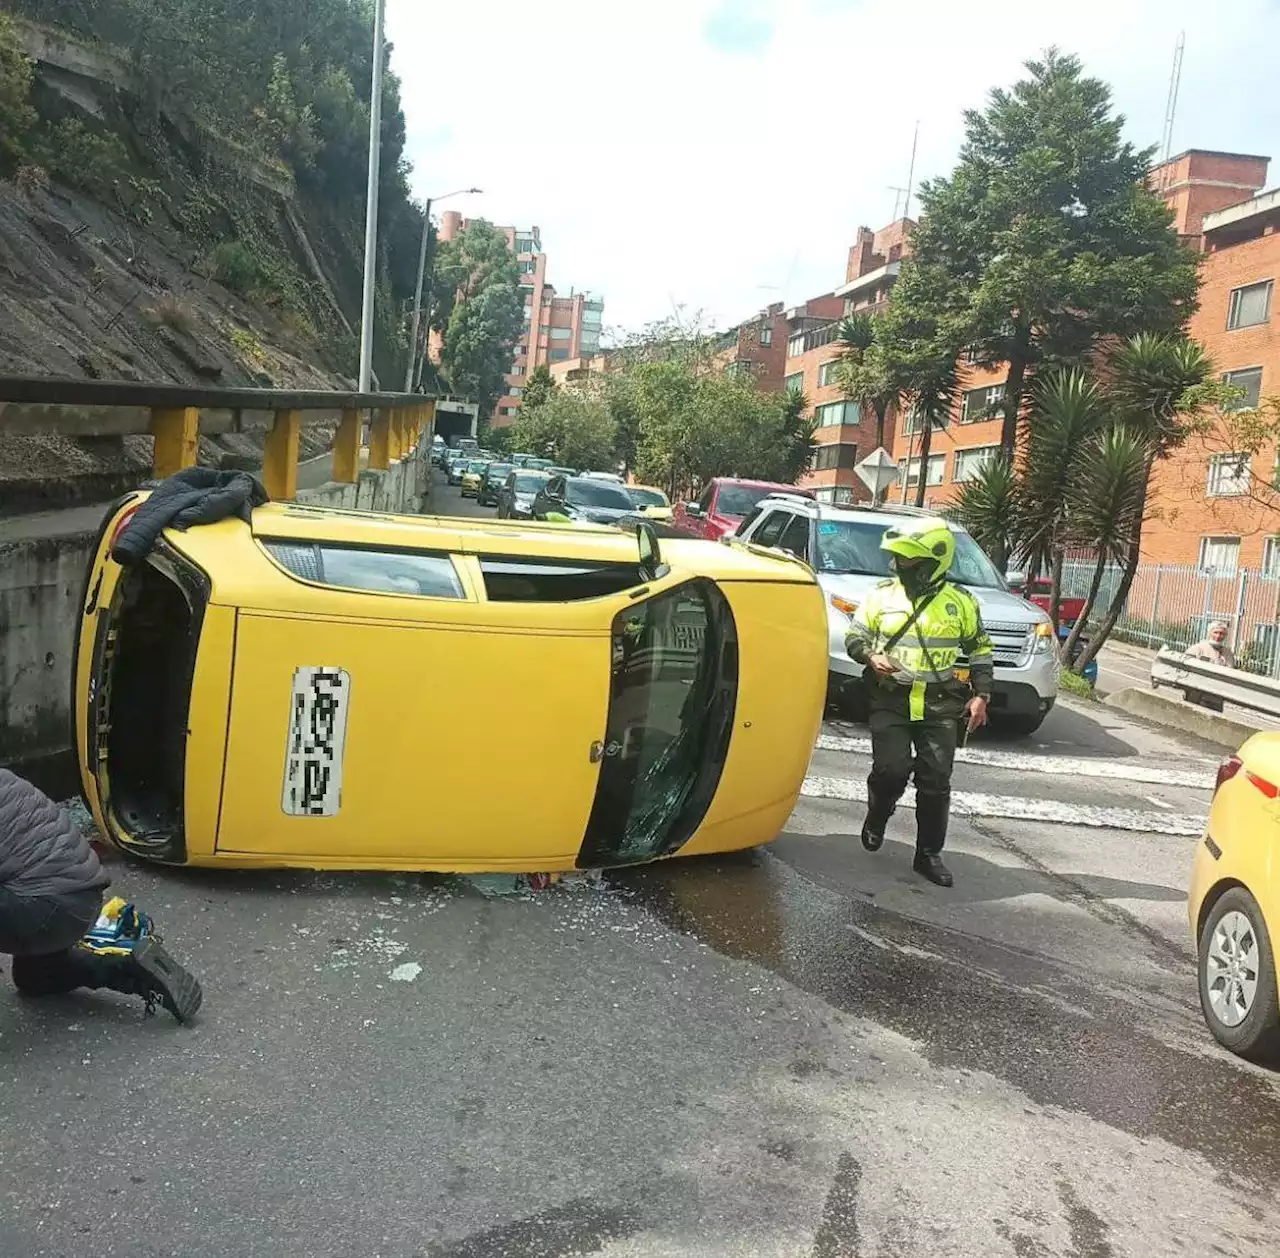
pixel 596 493
pixel 737 500
pixel 530 482
pixel 498 471
pixel 854 546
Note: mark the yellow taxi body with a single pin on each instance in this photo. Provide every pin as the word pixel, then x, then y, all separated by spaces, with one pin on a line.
pixel 333 689
pixel 1236 870
pixel 653 511
pixel 471 482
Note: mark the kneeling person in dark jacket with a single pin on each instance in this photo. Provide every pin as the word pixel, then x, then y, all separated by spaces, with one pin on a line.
pixel 52 919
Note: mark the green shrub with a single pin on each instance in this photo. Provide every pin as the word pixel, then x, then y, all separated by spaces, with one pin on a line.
pixel 90 160
pixel 234 266
pixel 1073 684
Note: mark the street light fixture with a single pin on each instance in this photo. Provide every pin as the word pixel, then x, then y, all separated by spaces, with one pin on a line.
pixel 422 271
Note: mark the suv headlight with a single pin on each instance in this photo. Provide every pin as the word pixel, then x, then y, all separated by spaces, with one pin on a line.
pixel 1043 639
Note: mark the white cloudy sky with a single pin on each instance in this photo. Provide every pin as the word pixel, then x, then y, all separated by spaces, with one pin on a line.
pixel 720 154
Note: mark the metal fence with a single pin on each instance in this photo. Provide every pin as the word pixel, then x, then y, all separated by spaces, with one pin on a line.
pixel 1173 605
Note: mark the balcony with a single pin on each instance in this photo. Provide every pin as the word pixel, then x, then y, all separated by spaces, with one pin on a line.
pixel 803 342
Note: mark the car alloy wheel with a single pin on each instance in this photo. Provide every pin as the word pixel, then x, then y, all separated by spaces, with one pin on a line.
pixel 1238 992
pixel 1231 981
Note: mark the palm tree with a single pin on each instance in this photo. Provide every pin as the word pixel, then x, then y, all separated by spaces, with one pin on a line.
pixel 1106 498
pixel 986 507
pixel 932 382
pixel 1152 382
pixel 1067 410
pixel 797 435
pixel 862 374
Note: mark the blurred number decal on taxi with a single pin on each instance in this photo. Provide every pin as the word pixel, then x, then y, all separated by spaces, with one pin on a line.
pixel 317 737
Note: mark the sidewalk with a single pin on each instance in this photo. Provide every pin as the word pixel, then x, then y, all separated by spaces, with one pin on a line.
pixel 1122 666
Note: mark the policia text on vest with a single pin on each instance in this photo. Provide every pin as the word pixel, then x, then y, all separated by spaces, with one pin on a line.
pixel 908 635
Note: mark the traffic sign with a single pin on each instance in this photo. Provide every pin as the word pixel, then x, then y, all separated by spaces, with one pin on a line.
pixel 878 470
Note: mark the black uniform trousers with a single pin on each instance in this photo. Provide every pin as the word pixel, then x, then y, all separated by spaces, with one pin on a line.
pixel 901 747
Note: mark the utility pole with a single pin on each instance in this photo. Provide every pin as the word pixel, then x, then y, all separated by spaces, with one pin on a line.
pixel 371 202
pixel 417 296
pixel 422 271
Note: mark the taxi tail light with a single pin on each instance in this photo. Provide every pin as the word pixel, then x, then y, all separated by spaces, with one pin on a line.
pixel 121 525
pixel 1227 770
pixel 1269 789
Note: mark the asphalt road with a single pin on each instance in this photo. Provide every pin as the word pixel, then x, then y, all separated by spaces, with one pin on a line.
pixel 803 1052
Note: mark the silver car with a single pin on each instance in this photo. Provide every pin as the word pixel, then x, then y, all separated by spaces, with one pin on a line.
pixel 842 545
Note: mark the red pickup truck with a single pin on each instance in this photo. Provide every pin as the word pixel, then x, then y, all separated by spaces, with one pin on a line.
pixel 723 505
pixel 1040 591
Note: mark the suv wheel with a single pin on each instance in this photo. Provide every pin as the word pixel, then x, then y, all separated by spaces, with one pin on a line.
pixel 1237 972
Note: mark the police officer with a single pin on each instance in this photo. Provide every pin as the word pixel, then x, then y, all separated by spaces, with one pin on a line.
pixel 907 635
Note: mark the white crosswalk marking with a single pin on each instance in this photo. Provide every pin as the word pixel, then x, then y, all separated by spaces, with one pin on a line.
pixel 1060 766
pixel 1014 807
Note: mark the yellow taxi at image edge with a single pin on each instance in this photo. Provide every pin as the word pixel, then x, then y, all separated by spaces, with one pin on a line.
pixel 1234 902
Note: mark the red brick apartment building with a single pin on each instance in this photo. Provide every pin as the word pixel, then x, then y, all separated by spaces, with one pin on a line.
pixel 844 435
pixel 556 329
pixel 1210 506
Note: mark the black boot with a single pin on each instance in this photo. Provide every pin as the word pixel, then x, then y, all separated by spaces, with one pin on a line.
pixel 878 814
pixel 932 812
pixel 148 971
pixel 930 866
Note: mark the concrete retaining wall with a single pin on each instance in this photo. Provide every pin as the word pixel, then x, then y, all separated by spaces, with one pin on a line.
pixel 1177 713
pixel 43 560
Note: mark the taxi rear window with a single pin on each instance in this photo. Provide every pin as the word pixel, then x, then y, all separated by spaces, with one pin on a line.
pixel 378 571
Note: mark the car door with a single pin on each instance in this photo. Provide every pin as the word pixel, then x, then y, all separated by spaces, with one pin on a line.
pixel 550 499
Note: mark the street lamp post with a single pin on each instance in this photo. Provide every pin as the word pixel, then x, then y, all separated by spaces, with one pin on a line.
pixel 371 202
pixel 422 271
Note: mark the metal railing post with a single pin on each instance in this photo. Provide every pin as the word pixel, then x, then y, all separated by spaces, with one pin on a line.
pixel 1239 620
pixel 280 457
pixel 177 440
pixel 346 449
pixel 1155 599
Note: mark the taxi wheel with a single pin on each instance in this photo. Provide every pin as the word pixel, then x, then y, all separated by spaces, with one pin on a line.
pixel 1238 978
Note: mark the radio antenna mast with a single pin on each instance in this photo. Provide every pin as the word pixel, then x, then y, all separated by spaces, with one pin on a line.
pixel 911 171
pixel 1175 80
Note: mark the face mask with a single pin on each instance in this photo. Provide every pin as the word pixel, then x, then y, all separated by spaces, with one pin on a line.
pixel 914 574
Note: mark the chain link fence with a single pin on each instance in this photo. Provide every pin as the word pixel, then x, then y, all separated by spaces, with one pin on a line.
pixel 1173 605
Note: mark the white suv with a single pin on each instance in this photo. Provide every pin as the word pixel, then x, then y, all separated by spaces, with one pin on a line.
pixel 842 546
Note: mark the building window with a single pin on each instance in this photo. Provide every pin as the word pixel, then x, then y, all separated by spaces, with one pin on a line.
pixel 1228 476
pixel 933 474
pixel 515 391
pixel 968 463
pixel 1250 380
pixel 518 370
pixel 526 244
pixel 1220 555
pixel 1250 305
pixel 913 422
pixel 972 355
pixel 795 346
pixel 766 335
pixel 981 403
pixel 562 334
pixel 838 495
pixel 559 355
pixel 1271 556
pixel 827 373
pixel 835 413
pixel 527 266
pixel 543 329
pixel 794 383
pixel 842 455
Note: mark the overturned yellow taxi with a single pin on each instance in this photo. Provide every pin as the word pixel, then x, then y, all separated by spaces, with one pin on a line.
pixel 334 689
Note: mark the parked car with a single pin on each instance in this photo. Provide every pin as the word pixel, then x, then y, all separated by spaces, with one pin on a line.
pixel 580 498
pixel 724 504
pixel 610 476
pixel 472 477
pixel 517 495
pixel 1234 902
pixel 240 695
pixel 649 501
pixel 842 545
pixel 491 483
pixel 438 449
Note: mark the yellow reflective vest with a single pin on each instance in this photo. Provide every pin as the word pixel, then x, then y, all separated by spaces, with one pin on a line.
pixel 949 625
